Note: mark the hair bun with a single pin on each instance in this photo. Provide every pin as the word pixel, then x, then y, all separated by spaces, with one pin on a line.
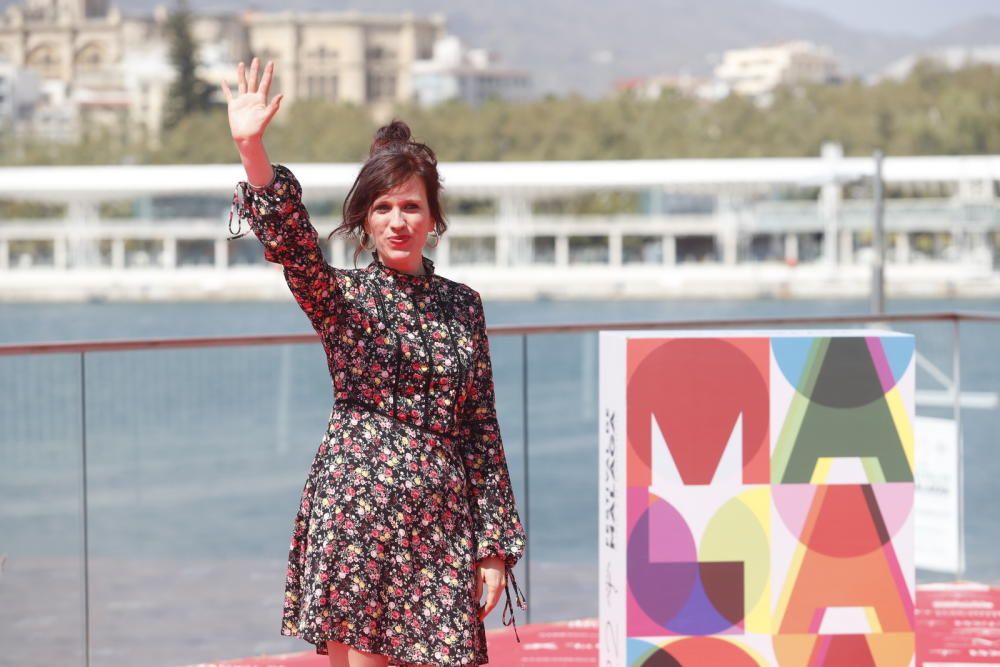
pixel 396 132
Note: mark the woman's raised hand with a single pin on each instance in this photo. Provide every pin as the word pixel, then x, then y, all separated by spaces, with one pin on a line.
pixel 250 112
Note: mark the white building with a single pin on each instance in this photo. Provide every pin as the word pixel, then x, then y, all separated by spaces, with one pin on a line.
pixel 652 87
pixel 470 75
pixel 19 93
pixel 757 71
pixel 952 58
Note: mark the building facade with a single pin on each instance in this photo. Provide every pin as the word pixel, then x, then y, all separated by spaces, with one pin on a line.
pixel 756 72
pixel 85 52
pixel 19 91
pixel 98 65
pixel 652 87
pixel 470 75
pixel 61 39
pixel 950 58
pixel 343 57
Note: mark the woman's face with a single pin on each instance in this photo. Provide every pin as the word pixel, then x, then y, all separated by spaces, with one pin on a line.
pixel 400 220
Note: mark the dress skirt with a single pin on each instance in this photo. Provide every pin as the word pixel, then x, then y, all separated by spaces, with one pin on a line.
pixel 381 556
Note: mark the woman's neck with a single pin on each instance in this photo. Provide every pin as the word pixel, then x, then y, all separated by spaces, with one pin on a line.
pixel 417 270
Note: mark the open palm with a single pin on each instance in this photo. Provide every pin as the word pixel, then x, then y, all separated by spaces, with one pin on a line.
pixel 249 111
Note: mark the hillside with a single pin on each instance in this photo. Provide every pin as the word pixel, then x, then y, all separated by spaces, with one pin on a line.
pixel 569 46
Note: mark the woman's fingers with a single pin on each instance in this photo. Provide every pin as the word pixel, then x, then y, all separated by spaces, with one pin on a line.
pixel 492 596
pixel 254 71
pixel 225 90
pixel 272 108
pixel 265 81
pixel 248 81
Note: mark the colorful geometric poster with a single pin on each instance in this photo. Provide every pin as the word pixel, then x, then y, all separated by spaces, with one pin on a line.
pixel 757 498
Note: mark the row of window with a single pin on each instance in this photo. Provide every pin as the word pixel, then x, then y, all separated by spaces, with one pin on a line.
pixel 379 86
pixel 321 87
pixel 636 249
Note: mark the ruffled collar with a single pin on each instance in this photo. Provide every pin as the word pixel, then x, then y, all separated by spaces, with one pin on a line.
pixel 377 266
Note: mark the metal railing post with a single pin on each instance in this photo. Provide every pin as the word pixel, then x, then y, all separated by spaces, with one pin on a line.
pixel 956 364
pixel 85 561
pixel 878 240
pixel 525 467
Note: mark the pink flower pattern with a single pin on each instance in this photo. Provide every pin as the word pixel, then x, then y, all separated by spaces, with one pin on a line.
pixel 409 487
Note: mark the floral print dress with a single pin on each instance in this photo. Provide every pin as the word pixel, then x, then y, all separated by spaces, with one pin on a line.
pixel 409 486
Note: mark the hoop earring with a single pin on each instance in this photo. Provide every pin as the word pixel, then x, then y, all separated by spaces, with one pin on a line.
pixel 437 237
pixel 363 244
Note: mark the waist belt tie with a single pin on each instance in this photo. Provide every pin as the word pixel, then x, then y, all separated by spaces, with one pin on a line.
pixel 507 606
pixel 351 402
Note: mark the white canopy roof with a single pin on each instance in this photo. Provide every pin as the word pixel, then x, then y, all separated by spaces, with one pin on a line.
pixel 495 178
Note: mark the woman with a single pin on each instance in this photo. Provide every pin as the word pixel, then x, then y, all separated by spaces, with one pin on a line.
pixel 407 513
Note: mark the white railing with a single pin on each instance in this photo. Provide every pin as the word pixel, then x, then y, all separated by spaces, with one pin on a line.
pixel 731 214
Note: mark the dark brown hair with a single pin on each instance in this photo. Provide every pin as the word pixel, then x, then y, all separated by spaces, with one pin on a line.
pixel 392 159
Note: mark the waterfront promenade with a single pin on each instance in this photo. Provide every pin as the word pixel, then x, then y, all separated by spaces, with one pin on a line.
pixel 750 228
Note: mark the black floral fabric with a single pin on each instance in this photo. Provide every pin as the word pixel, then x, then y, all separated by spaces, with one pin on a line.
pixel 409 486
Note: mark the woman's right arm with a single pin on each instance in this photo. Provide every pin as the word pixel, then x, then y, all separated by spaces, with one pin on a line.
pixel 270 201
pixel 249 115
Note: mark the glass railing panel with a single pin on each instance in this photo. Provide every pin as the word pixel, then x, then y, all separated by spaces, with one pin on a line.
pixel 508 379
pixel 197 459
pixel 562 450
pixel 934 372
pixel 42 587
pixel 980 414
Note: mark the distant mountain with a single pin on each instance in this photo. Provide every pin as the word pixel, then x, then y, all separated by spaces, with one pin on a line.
pixel 587 52
pixel 572 45
pixel 983 31
pixel 911 17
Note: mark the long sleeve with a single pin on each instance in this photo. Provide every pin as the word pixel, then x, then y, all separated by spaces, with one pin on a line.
pixel 277 216
pixel 499 529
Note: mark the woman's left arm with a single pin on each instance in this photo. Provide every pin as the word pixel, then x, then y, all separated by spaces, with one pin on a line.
pixel 498 526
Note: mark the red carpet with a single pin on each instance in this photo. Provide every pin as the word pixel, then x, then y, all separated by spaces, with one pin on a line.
pixel 567 643
pixel 957 624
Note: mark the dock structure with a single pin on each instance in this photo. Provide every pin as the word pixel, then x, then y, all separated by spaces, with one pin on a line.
pixel 641 228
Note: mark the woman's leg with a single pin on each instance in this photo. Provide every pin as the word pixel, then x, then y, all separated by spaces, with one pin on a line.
pixel 338 654
pixel 342 655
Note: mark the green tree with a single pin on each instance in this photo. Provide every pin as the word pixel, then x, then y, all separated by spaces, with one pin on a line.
pixel 188 93
pixel 931 112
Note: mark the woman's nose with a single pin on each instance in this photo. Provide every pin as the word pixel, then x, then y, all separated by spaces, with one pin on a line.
pixel 396 218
